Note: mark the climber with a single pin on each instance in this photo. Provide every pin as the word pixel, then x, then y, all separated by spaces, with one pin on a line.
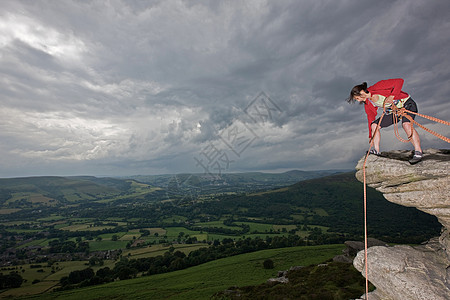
pixel 387 92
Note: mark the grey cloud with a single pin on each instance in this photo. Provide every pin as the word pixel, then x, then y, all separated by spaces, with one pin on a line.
pixel 142 87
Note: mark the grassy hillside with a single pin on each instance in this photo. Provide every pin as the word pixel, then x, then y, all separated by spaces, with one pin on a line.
pixel 202 281
pixel 335 202
pixel 50 191
pixel 328 281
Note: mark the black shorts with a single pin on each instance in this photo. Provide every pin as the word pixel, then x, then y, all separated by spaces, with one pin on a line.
pixel 388 119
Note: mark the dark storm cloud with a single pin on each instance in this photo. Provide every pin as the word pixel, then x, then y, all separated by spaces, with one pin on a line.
pixel 123 87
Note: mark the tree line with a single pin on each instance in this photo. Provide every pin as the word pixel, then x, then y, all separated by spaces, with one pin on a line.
pixel 173 260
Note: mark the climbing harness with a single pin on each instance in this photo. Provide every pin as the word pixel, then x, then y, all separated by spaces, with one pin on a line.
pixel 397 113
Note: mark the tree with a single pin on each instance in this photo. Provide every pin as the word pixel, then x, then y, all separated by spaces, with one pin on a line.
pixel 94 260
pixel 105 273
pixel 13 280
pixel 81 275
pixel 126 273
pixel 144 232
pixel 177 264
pixel 268 264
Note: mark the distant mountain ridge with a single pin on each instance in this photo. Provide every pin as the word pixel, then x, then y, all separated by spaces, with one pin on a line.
pixel 59 189
pixel 258 180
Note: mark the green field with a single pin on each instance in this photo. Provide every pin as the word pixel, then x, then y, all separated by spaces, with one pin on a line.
pixel 288 227
pixel 107 245
pixel 173 232
pixel 5 211
pixel 174 219
pixel 259 227
pixel 47 276
pixel 85 227
pixel 160 250
pixel 218 224
pixel 41 242
pixel 51 218
pixel 130 235
pixel 202 281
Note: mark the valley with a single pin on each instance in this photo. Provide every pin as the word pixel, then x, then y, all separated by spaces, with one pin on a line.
pixel 54 226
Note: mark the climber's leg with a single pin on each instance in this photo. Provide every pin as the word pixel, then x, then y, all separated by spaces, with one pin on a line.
pixel 411 132
pixel 376 136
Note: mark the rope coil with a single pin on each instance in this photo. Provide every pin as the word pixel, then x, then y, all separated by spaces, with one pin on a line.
pixel 403 112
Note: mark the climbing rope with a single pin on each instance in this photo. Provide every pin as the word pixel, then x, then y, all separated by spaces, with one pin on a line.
pixel 395 118
pixel 403 112
pixel 397 113
pixel 366 264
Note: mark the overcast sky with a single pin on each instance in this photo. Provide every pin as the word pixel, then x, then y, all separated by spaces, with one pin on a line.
pixel 153 87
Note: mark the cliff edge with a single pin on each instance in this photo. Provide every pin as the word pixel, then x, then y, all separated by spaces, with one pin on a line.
pixel 405 272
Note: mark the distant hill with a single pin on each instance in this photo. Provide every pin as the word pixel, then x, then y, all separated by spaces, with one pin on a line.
pixel 333 201
pixel 54 190
pixel 51 190
pixel 232 182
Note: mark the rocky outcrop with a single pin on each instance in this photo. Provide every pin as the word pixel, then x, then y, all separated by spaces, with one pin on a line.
pixel 283 275
pixel 405 272
pixel 353 247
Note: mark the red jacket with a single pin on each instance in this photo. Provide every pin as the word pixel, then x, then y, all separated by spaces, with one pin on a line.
pixel 385 88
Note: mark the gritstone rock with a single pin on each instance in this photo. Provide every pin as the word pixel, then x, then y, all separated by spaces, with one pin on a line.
pixel 405 272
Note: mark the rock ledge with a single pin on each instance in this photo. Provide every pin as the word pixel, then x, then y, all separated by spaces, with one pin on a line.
pixel 405 272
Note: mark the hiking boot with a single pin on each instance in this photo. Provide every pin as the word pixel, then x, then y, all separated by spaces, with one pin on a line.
pixel 374 152
pixel 416 158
